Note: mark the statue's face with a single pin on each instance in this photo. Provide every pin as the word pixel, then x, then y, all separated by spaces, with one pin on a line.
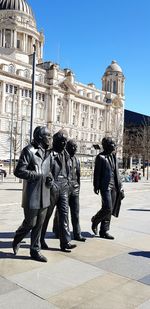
pixel 42 136
pixel 71 148
pixel 59 143
pixel 109 145
pixel 45 134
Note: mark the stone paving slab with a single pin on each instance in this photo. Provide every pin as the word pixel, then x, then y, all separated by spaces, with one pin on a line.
pixel 58 277
pixel 6 286
pixel 99 273
pixel 126 265
pixel 22 299
pixel 146 305
pixel 109 291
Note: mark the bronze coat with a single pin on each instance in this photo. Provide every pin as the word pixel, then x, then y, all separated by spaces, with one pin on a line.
pixel 33 167
pixel 102 176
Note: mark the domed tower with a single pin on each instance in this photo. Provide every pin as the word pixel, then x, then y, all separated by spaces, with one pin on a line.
pixel 18 32
pixel 113 79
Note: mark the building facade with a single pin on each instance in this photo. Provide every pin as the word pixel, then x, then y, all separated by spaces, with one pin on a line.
pixel 87 113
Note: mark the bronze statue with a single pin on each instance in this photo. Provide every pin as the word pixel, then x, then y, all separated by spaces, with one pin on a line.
pixel 60 169
pixel 74 189
pixel 34 168
pixel 107 182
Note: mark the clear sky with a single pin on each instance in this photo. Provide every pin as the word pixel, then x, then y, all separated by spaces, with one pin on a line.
pixel 86 35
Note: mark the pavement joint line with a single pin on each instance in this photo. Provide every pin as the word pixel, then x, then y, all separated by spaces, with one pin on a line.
pixel 6 204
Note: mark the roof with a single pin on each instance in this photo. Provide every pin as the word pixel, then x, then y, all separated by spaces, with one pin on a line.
pixel 135 119
pixel 17 5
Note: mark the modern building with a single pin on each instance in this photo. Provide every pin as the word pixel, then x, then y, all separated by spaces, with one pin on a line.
pixel 87 113
pixel 136 146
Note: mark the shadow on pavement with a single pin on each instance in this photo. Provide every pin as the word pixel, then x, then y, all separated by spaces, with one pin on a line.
pixel 4 189
pixel 5 255
pixel 141 253
pixel 140 209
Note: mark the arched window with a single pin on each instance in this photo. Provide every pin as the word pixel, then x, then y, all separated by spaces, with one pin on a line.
pixel 26 74
pixel 108 86
pixel 11 69
pixel 114 87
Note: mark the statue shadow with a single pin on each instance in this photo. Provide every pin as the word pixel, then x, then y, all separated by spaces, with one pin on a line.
pixel 9 255
pixel 10 189
pixel 140 209
pixel 145 254
pixel 87 234
pixel 84 234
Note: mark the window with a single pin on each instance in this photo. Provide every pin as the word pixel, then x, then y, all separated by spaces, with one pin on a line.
pixel 108 86
pixel 92 122
pixel 26 74
pixel 83 121
pixel 7 88
pixel 114 87
pixel 73 120
pixel 15 89
pixel 10 88
pixel 26 93
pixel 43 97
pixel 58 118
pixel 11 69
pixel 18 44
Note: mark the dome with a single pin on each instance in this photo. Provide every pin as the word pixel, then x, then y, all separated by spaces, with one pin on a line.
pixel 17 5
pixel 114 67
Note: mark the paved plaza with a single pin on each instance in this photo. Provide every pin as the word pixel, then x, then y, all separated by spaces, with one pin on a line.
pixel 98 274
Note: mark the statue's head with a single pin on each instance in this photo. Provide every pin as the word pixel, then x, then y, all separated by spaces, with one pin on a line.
pixel 60 140
pixel 108 144
pixel 71 147
pixel 41 136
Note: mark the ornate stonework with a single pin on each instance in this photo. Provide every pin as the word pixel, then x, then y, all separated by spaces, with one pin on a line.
pixel 87 113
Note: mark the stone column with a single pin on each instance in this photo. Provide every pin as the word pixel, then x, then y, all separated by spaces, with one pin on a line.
pixel 19 102
pixel 53 104
pixel 108 118
pixel 70 105
pixel 89 118
pixel 3 37
pixel 3 91
pixel 0 38
pixel 97 119
pixel 12 38
pixel 15 39
pixel 79 116
pixel 24 42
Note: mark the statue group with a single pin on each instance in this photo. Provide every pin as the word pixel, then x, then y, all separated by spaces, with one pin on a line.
pixel 51 179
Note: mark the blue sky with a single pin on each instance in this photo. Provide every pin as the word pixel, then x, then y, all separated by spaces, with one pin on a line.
pixel 86 35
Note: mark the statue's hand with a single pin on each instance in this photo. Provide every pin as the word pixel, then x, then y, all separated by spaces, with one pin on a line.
pixel 49 181
pixel 96 191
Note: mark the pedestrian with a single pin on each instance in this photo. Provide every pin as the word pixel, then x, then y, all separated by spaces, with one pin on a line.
pixel 60 169
pixel 74 190
pixel 34 168
pixel 107 182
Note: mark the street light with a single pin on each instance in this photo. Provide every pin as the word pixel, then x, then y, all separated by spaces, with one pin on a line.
pixel 33 92
pixel 11 135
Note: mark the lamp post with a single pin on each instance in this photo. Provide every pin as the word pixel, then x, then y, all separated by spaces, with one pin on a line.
pixel 33 92
pixel 11 135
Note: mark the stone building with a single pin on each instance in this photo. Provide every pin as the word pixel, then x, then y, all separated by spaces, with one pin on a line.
pixel 86 112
